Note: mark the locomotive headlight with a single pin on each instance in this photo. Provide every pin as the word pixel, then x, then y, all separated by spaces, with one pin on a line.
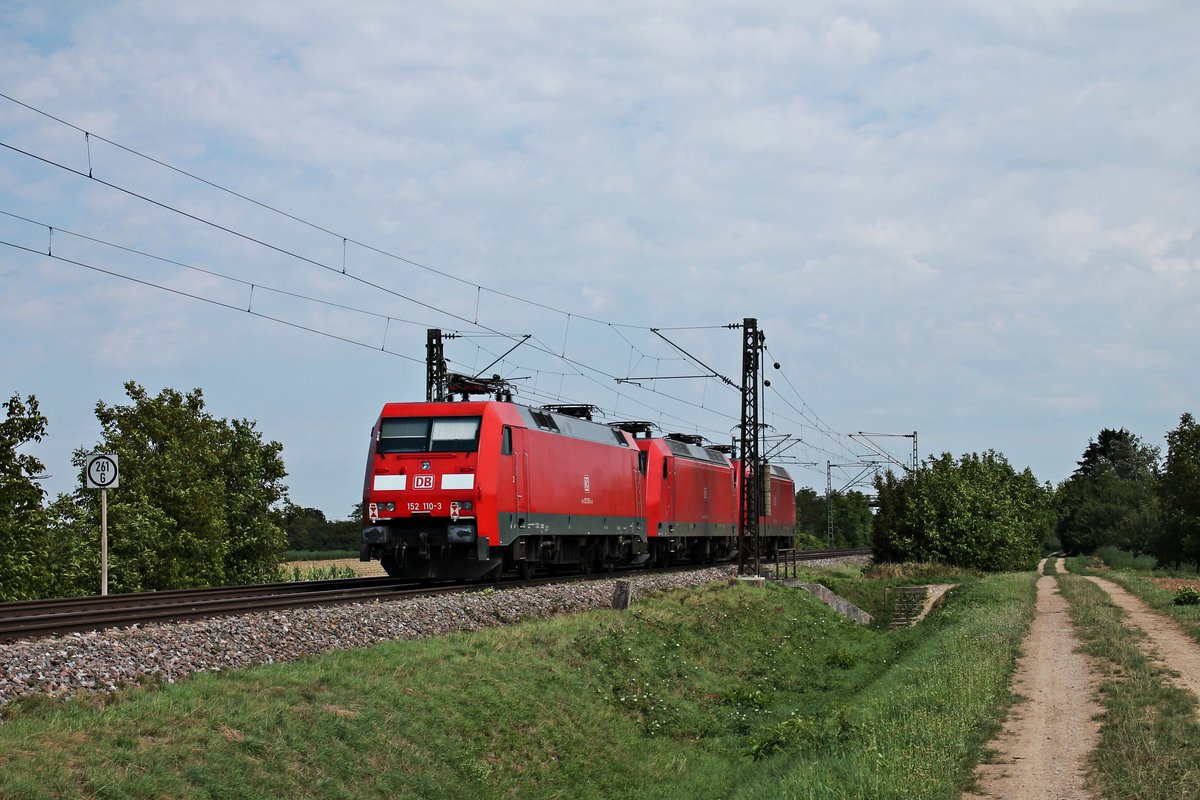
pixel 390 506
pixel 466 505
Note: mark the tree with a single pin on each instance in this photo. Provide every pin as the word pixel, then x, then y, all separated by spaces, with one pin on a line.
pixel 24 540
pixel 892 536
pixel 1111 498
pixel 194 505
pixel 851 518
pixel 308 529
pixel 976 512
pixel 1179 490
pixel 254 474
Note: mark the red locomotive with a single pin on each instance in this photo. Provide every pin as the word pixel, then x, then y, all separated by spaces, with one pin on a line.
pixel 691 497
pixel 467 489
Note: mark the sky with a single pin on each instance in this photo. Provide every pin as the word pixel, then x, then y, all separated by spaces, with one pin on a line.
pixel 976 221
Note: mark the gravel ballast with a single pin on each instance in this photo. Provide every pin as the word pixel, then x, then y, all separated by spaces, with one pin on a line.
pixel 104 661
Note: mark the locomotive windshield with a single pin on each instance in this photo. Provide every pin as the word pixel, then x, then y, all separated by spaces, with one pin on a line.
pixel 429 435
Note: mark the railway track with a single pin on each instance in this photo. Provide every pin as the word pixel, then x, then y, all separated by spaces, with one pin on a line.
pixel 38 618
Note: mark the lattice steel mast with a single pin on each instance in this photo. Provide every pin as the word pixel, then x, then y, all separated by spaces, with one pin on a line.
pixel 750 498
pixel 435 367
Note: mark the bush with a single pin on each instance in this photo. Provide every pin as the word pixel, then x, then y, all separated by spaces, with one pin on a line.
pixel 975 512
pixel 1187 596
pixel 1117 558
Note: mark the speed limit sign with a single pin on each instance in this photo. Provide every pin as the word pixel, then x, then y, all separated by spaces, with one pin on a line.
pixel 102 471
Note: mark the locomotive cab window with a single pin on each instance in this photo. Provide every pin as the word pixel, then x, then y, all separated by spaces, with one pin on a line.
pixel 506 441
pixel 429 435
pixel 403 435
pixel 457 435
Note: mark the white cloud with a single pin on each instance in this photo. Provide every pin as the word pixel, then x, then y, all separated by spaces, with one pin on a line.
pixel 850 39
pixel 977 211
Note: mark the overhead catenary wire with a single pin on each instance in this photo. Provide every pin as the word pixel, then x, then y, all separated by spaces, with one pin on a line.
pixel 306 259
pixel 815 421
pixel 295 218
pixel 261 287
pixel 581 369
pixel 284 251
pixel 192 296
pixel 213 273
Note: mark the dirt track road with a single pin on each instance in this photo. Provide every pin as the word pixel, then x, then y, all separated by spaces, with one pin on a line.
pixel 1043 748
pixel 1042 751
pixel 1169 645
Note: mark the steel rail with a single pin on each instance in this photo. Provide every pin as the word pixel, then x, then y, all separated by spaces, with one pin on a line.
pixel 140 598
pixel 31 619
pixel 65 617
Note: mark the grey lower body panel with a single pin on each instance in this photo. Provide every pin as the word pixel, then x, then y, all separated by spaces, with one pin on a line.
pixel 514 526
pixel 697 528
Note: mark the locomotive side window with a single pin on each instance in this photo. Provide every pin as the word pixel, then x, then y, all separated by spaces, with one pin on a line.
pixel 506 441
pixel 426 435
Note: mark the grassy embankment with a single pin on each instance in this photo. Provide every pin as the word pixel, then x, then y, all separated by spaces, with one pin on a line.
pixel 1147 749
pixel 720 692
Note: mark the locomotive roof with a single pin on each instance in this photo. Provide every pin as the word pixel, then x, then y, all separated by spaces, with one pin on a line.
pixel 534 418
pixel 780 472
pixel 695 451
pixel 576 428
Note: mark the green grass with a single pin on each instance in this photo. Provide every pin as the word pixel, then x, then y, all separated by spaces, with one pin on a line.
pixel 1116 558
pixel 1147 749
pixel 917 731
pixel 869 590
pixel 715 692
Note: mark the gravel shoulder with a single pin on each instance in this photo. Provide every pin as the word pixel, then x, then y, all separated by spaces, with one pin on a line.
pixel 105 661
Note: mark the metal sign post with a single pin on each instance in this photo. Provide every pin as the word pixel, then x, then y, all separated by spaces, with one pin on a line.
pixel 104 542
pixel 102 474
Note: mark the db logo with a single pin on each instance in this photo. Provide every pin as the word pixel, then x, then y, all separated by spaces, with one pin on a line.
pixel 422 481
